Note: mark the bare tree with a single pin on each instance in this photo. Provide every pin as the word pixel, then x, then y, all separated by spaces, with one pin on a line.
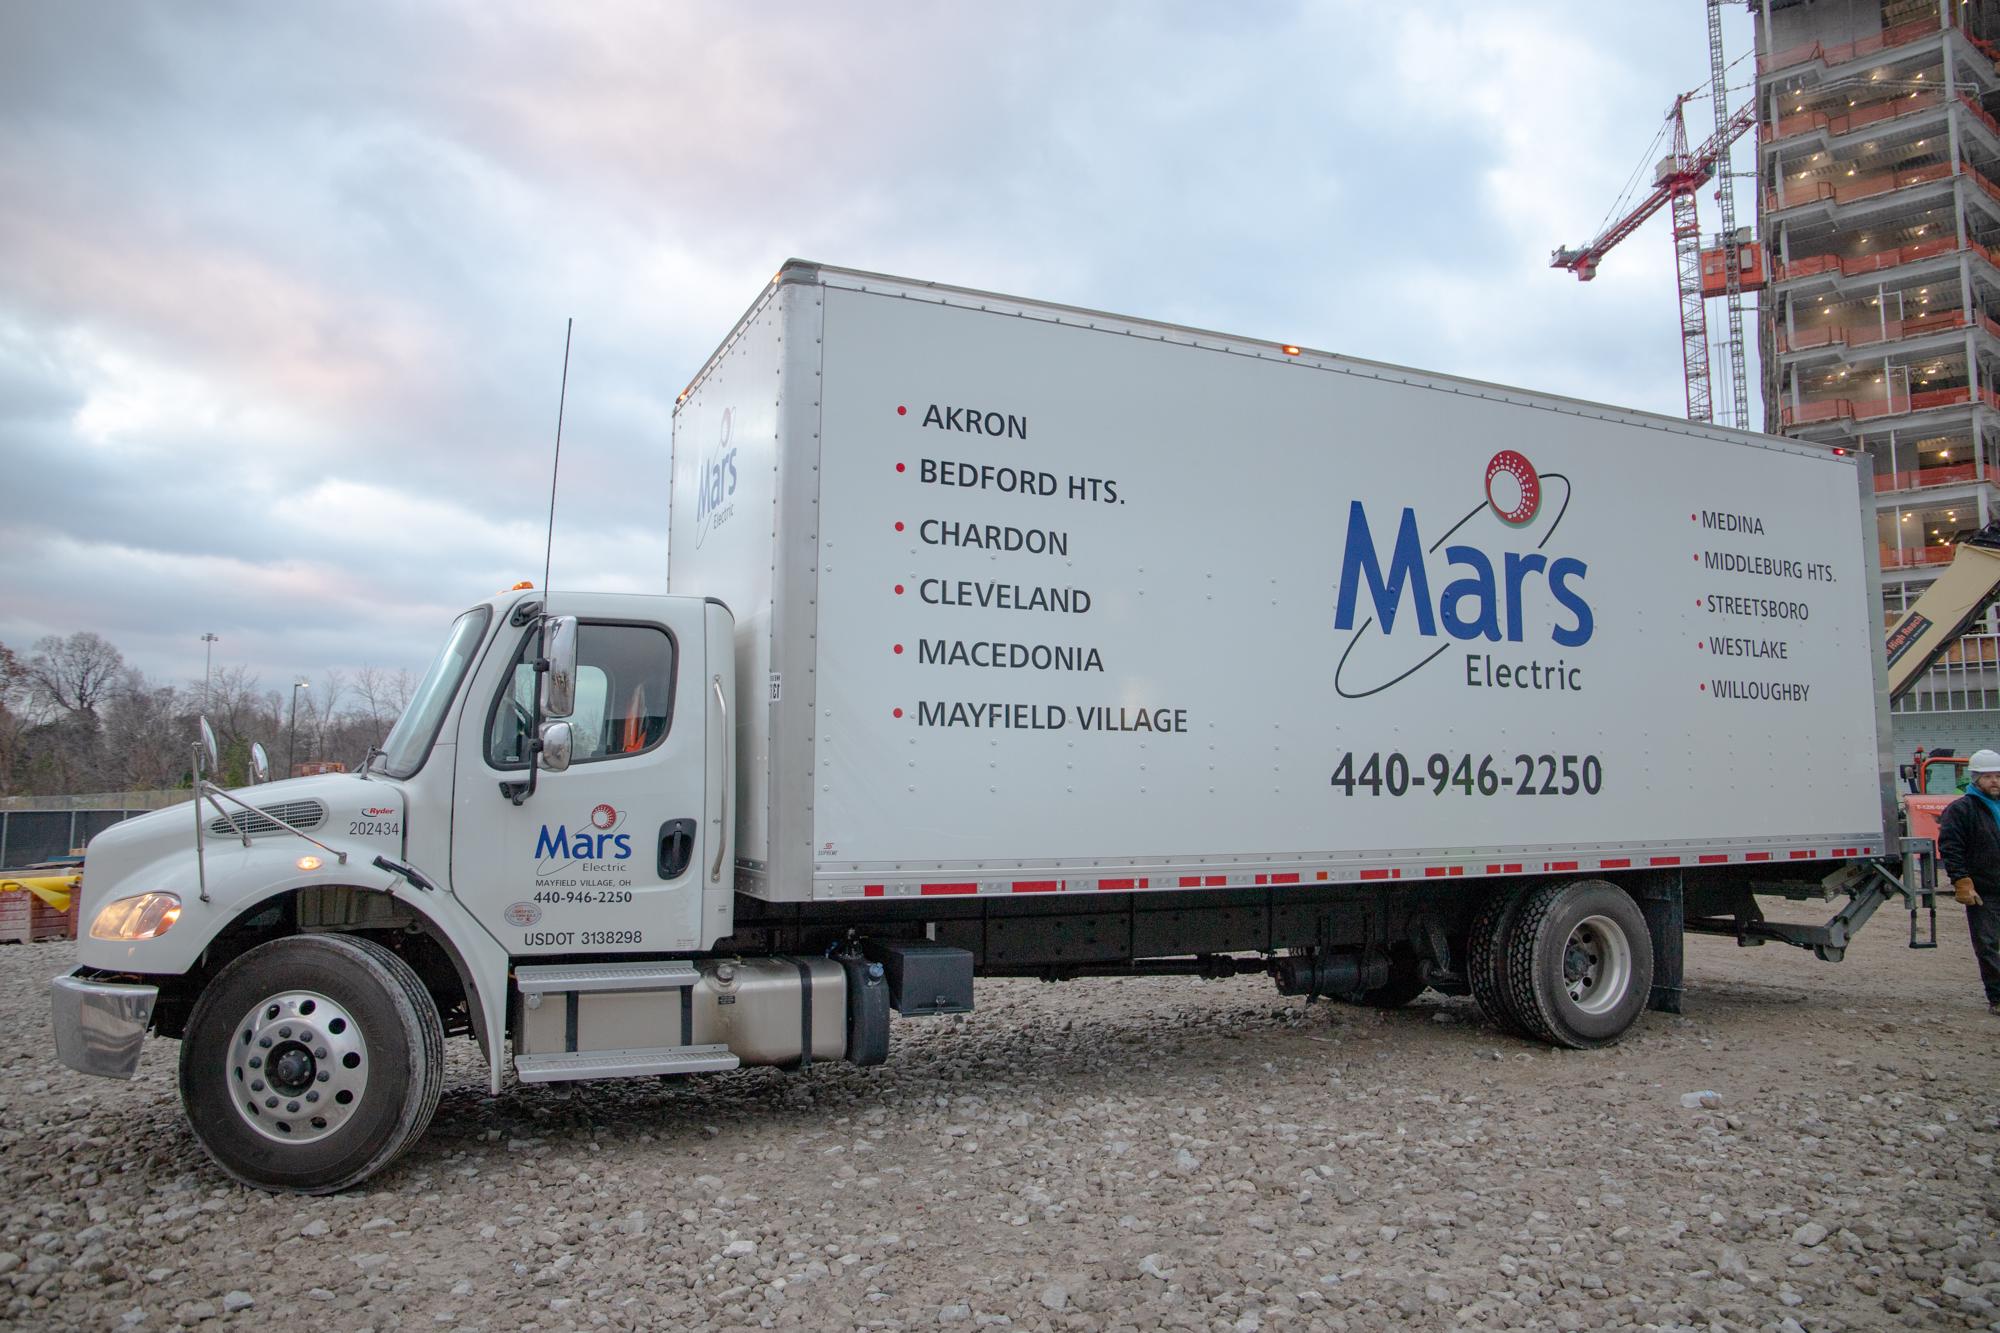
pixel 73 675
pixel 147 731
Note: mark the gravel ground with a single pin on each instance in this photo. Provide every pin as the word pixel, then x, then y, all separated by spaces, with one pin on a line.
pixel 1100 1155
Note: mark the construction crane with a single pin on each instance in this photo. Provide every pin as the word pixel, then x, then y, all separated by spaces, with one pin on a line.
pixel 1675 182
pixel 1725 198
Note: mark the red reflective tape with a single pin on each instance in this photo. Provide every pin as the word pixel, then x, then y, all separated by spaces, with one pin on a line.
pixel 1285 879
pixel 934 890
pixel 1756 856
pixel 1263 879
pixel 1115 883
pixel 1190 881
pixel 1616 863
pixel 1803 855
pixel 871 890
pixel 1381 874
pixel 1216 881
pixel 1437 872
pixel 1665 861
pixel 1037 886
pixel 1493 870
pixel 1713 858
pixel 1559 865
pixel 1511 868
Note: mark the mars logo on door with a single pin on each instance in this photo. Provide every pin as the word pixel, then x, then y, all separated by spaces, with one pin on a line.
pixel 1496 586
pixel 596 839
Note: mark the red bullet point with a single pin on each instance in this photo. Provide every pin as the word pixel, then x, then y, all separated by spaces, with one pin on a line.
pixel 899 712
pixel 899 647
pixel 902 411
pixel 1703 686
pixel 899 467
pixel 899 590
pixel 899 527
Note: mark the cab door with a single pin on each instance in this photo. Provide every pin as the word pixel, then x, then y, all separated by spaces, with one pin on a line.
pixel 607 856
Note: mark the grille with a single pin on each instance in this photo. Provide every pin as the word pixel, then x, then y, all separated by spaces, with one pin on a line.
pixel 299 814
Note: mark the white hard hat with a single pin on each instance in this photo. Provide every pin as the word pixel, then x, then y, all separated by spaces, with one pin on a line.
pixel 1984 761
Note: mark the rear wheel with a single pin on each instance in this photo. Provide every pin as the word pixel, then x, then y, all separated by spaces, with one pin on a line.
pixel 1579 966
pixel 1486 959
pixel 310 1063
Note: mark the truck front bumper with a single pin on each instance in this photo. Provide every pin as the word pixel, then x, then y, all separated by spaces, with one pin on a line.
pixel 100 1026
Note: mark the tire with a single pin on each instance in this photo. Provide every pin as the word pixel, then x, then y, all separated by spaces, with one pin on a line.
pixel 1405 984
pixel 311 1062
pixel 1486 959
pixel 1579 968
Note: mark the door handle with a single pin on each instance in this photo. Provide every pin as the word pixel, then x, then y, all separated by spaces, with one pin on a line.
pixel 676 847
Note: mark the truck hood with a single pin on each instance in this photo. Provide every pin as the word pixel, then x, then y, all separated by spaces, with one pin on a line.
pixel 156 851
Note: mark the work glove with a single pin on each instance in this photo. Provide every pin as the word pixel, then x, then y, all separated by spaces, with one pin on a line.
pixel 1962 890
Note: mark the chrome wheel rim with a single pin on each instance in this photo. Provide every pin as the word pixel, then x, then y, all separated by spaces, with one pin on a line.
pixel 1597 965
pixel 297 1067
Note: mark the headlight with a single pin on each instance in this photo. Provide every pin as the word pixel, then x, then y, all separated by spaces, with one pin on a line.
pixel 146 917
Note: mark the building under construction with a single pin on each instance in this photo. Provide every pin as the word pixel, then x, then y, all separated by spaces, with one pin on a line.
pixel 1878 171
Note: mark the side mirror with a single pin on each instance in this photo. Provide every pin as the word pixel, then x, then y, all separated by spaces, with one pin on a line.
pixel 557 743
pixel 559 681
pixel 208 745
pixel 260 764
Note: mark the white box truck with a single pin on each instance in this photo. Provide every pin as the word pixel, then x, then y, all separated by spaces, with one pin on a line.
pixel 1004 638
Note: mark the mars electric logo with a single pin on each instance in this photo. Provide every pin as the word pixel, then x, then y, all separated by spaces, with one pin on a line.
pixel 597 840
pixel 1404 604
pixel 715 496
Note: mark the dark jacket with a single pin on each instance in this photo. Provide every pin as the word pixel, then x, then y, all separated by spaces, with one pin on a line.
pixel 1969 844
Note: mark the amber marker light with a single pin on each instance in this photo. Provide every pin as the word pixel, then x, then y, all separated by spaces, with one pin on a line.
pixel 1289 350
pixel 308 863
pixel 523 586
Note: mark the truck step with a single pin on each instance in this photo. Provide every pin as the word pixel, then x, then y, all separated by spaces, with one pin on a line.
pixel 575 1065
pixel 604 977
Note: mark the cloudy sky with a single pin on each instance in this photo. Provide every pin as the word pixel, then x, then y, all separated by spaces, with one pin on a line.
pixel 282 287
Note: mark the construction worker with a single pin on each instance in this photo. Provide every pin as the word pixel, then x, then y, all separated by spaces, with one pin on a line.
pixel 1969 846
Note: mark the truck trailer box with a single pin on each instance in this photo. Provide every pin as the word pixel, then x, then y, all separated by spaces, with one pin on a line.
pixel 1031 599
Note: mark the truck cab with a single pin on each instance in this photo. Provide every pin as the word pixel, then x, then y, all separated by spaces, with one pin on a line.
pixel 558 786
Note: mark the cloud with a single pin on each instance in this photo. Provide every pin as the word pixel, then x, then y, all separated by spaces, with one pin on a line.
pixel 283 290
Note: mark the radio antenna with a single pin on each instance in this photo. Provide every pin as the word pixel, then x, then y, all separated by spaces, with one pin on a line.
pixel 562 399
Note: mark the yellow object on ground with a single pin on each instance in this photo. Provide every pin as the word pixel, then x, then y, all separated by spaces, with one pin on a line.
pixel 55 890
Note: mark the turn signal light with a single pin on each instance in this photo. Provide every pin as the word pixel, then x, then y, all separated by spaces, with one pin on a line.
pixel 1289 350
pixel 146 917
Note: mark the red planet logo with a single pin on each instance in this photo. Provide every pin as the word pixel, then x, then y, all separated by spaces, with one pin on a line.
pixel 1512 488
pixel 604 817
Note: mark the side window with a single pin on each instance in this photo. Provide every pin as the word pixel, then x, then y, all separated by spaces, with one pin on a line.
pixel 624 695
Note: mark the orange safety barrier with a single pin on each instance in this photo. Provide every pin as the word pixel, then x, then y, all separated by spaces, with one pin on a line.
pixel 1918 555
pixel 1852 265
pixel 1918 478
pixel 1867 187
pixel 1836 409
pixel 1803 122
pixel 1876 332
pixel 1901 35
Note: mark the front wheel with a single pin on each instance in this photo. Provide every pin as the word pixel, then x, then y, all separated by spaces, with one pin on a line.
pixel 1579 965
pixel 310 1063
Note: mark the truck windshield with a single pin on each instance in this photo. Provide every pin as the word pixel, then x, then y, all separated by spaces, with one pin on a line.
pixel 410 739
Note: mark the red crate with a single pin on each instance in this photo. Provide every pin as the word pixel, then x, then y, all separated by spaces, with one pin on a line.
pixel 25 919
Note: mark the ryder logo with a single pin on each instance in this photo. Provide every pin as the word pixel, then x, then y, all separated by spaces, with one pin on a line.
pixel 598 839
pixel 715 494
pixel 1487 579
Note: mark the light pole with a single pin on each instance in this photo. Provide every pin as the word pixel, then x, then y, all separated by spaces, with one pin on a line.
pixel 207 671
pixel 292 745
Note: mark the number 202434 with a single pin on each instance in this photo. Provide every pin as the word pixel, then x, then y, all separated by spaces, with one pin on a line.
pixel 1472 775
